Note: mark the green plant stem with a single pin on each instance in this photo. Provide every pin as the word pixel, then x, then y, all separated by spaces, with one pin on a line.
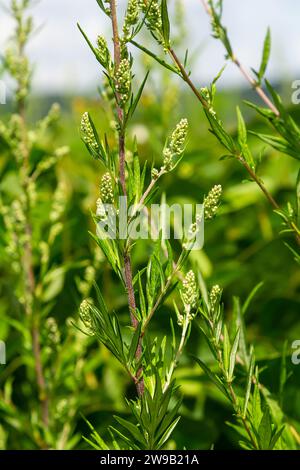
pixel 186 78
pixel 258 181
pixel 121 132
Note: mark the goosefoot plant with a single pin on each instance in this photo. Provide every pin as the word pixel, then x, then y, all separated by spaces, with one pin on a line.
pixel 42 357
pixel 158 24
pixel 149 361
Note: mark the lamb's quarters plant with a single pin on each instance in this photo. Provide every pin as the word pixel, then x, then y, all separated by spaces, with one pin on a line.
pixel 44 371
pixel 275 113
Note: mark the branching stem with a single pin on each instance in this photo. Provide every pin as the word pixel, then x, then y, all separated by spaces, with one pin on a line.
pixel 256 86
pixel 238 156
pixel 29 277
pixel 121 131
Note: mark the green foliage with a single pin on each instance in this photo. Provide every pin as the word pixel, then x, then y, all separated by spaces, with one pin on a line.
pixel 244 394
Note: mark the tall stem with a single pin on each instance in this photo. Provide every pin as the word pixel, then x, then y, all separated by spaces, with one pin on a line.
pixel 127 258
pixel 29 277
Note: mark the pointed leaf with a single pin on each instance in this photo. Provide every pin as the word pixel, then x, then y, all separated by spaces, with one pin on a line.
pixel 265 55
pixel 165 22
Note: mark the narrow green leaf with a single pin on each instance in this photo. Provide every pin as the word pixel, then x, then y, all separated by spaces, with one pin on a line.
pixel 165 22
pixel 249 382
pixel 265 55
pixel 251 296
pixel 256 412
pixel 101 5
pixel 242 130
pixel 155 57
pixel 240 324
pixel 142 298
pixel 243 139
pixel 218 130
pixel 134 344
pixel 278 143
pixel 138 96
pixel 99 443
pixel 233 352
pixel 298 199
pixel 265 112
pixel 226 350
pixel 133 429
pixel 168 433
pixel 213 377
pixel 265 430
pixel 276 437
pixel 93 49
pixel 129 442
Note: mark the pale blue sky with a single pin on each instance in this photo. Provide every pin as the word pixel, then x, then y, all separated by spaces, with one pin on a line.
pixel 64 61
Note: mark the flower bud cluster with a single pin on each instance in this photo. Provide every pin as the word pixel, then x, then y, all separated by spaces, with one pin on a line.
pixel 212 201
pixel 176 145
pixel 87 131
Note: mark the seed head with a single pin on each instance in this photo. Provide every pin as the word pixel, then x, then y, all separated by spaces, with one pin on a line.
pixel 211 201
pixel 131 18
pixel 102 51
pixel 178 137
pixel 87 131
pixel 85 314
pixel 189 292
pixel 153 21
pixel 123 80
pixel 214 295
pixel 106 189
pixel 176 144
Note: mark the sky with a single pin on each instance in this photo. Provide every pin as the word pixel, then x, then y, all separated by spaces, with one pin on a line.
pixel 64 62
